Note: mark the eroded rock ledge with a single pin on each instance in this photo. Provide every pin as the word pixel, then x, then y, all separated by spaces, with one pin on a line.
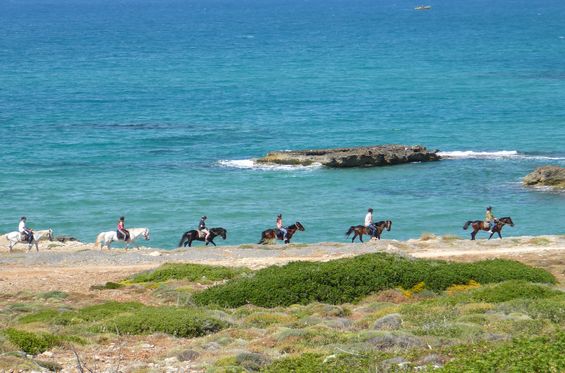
pixel 551 176
pixel 365 156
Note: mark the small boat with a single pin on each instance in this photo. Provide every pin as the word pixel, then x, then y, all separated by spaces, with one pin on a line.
pixel 423 7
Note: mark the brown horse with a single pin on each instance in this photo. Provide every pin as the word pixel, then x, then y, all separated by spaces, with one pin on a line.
pixel 271 234
pixel 360 230
pixel 479 225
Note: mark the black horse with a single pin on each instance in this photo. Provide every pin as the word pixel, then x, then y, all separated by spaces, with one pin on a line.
pixel 479 225
pixel 194 235
pixel 271 234
pixel 360 230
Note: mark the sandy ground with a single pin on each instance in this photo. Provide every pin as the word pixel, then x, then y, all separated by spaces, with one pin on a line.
pixel 75 267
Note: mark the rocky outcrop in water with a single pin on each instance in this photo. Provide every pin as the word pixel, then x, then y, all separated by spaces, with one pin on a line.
pixel 365 156
pixel 551 176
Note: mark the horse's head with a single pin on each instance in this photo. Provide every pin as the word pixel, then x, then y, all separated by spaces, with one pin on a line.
pixel 50 234
pixel 299 226
pixel 222 233
pixel 507 220
pixel 388 225
pixel 146 234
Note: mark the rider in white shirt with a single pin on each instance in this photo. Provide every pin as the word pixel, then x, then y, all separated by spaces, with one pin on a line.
pixel 369 222
pixel 27 234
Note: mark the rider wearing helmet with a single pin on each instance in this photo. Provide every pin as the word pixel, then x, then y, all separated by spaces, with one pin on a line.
pixel 490 219
pixel 202 228
pixel 27 234
pixel 369 222
pixel 122 231
pixel 281 227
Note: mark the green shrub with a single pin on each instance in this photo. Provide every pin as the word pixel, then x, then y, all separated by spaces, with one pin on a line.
pixel 522 355
pixel 32 343
pixel 134 318
pixel 503 292
pixel 54 295
pixel 190 272
pixel 552 309
pixel 348 280
pixel 179 322
pixel 335 363
pixel 107 286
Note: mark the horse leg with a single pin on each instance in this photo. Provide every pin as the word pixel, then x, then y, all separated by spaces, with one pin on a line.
pixel 354 236
pixel 492 234
pixel 473 234
pixel 36 246
pixel 212 242
pixel 361 237
pixel 189 243
pixel 499 235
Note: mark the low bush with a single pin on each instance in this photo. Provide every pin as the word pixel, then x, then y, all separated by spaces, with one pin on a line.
pixel 107 286
pixel 189 272
pixel 540 354
pixel 348 280
pixel 36 343
pixel 134 318
pixel 335 363
pixel 178 322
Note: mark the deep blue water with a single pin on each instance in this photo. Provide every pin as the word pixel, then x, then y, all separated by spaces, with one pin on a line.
pixel 112 108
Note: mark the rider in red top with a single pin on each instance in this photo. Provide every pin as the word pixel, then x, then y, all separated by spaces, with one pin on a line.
pixel 281 227
pixel 122 230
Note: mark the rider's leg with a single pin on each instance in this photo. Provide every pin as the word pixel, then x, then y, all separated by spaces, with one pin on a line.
pixel 207 235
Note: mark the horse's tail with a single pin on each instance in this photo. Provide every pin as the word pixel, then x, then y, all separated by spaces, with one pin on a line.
pixel 351 229
pixel 99 239
pixel 182 239
pixel 469 222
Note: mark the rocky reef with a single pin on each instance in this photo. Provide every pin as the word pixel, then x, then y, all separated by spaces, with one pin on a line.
pixel 365 156
pixel 551 176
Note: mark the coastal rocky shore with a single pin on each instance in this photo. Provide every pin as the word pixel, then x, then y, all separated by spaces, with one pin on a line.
pixel 365 156
pixel 550 176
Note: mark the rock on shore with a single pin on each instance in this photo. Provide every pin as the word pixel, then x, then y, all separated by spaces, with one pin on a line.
pixel 365 156
pixel 551 176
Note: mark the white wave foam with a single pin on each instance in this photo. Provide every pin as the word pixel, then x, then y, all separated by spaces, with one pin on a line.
pixel 473 154
pixel 252 164
pixel 502 154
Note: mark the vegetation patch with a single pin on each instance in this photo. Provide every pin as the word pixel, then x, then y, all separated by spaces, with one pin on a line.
pixel 178 322
pixel 36 343
pixel 107 286
pixel 541 354
pixel 189 272
pixel 349 280
pixel 134 318
pixel 335 363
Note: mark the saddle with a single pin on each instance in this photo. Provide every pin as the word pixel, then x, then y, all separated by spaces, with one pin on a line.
pixel 26 237
pixel 279 234
pixel 122 237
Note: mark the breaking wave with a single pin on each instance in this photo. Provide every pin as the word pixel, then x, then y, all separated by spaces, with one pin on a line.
pixel 502 154
pixel 251 164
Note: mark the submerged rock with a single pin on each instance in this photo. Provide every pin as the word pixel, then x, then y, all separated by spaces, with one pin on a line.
pixel 551 176
pixel 365 156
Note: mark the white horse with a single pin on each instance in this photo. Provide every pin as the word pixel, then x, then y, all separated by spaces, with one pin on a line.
pixel 106 238
pixel 16 237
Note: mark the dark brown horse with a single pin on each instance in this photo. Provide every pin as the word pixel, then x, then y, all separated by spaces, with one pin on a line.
pixel 193 235
pixel 360 230
pixel 271 234
pixel 479 225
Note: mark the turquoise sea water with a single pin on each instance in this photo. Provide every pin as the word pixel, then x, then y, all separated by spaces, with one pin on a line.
pixel 155 109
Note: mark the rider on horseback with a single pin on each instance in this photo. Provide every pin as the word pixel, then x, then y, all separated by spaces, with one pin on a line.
pixel 281 227
pixel 122 231
pixel 369 223
pixel 202 228
pixel 27 234
pixel 490 219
